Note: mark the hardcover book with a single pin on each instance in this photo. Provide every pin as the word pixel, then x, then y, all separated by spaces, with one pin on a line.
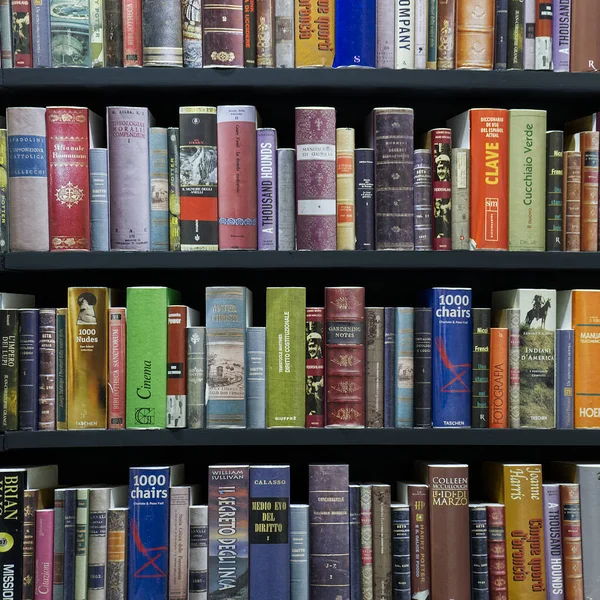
pixel 401 551
pixel 174 189
pixel 499 373
pixel 588 143
pixel 299 552
pixel 404 367
pixel 196 377
pixel 44 559
pixel 192 35
pixel 446 24
pixel 256 377
pixel 432 32
pixel 97 32
pixel 572 201
pixel 374 318
pixel 561 35
pixel 9 332
pixel 459 223
pixel 59 544
pixel 61 368
pixel 315 33
pixel 315 367
pixel 198 556
pixel 585 46
pixel 180 498
pixel 421 34
pixel 480 581
pixel 439 141
pixel 554 190
pixel 422 199
pixel 99 200
pixel 132 33
pixel 529 11
pixel 389 366
pixel 366 540
pixel 355 23
pixel 70 543
pixel 113 28
pixel 565 377
pixel 159 190
pixel 422 352
pixel 572 555
pixel 116 556
pixel 385 34
pixel 162 33
pixel 265 29
pixel 266 157
pixel 47 370
pixel 355 545
pixel 82 548
pixel 382 541
pixel 364 198
pixel 543 35
pixel 404 35
pixel 4 229
pixel 346 215
pixel 553 541
pixel 28 391
pixel 250 33
pixel 515 35
pixel 286 199
pixel 40 34
pixel 117 345
pixel 6 25
pixel 497 551
pixel 480 383
pixel 475 35
pixel 284 33
pixel 70 34
pixel 223 33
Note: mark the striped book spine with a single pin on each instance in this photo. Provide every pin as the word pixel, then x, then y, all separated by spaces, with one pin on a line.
pixel 159 190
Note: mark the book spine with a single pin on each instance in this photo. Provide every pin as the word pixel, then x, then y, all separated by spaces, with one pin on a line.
pixel 174 189
pixel 98 540
pixel 441 166
pixel 269 532
pixel 61 368
pixel 99 202
pixel 561 35
pixel 177 317
pixel 228 484
pixel 196 377
pixel 236 147
pixel 179 532
pixel 315 367
pixel 162 33
pixel 393 134
pixel 30 506
pixel 401 589
pixel 565 340
pixel 385 34
pixel 404 34
pixel 82 530
pixel 389 367
pixel 113 29
pixel 286 199
pixel 132 33
pixel 315 179
pixel 497 552
pixel 198 177
pixel 374 392
pixel 404 367
pixel 460 198
pixel 12 484
pixel 266 155
pixel 422 199
pixel 250 33
pixel 422 368
pixel 432 33
pixel 226 349
pixel 421 34
pixel 355 546
pixel 588 496
pixel 418 502
pixel 572 201
pixel 116 556
pixel 475 35
pixel 382 541
pixel 501 35
pixel 571 541
pixel 480 586
pixel 329 543
pixel 198 557
pixel 284 33
pixel 529 41
pixel 117 343
pixel 28 394
pixel 514 390
pixel 128 153
pixel 6 41
pixel 265 34
pixel 364 197
pixel 315 33
pixel 286 364
pixel 47 369
pixel 223 45
pixel 9 329
pixel 40 29
pixel 159 190
pixel 589 190
pixel 499 378
pixel 21 33
pixel 44 564
pixel 346 226
pixel 97 32
pixel 366 541
pixel 543 35
pixel 70 543
pixel 446 17
pixel 553 542
pixel 255 377
pixel 58 546
pixel 191 40
pixel 299 552
pixel 4 210
pixel 480 383
pixel 76 27
pixel 554 190
pixel 27 179
pixel 516 34
pixel 355 40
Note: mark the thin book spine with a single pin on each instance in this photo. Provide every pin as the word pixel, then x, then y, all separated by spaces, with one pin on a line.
pixel 499 378
pixel 401 584
pixel 61 368
pixel 31 503
pixel 178 319
pixel 98 532
pixel 113 29
pixel 28 369
pixel 192 27
pixel 554 190
pixel 179 532
pixel 382 541
pixel 385 34
pixel 4 209
pixel 366 541
pixel 284 33
pixel 497 566
pixel 9 344
pixel 404 367
pixel 70 543
pixel 404 34
pixel 40 30
pixel 432 33
pixel 198 557
pixel 355 545
pixel 572 201
pixel 196 377
pixel 345 232
pixel 422 200
pixel 561 35
pixel 446 18
pixel 159 190
pixel 132 33
pixel 571 538
pixel 6 41
pixel 82 530
pixel 422 366
pixel 286 199
pixel 460 198
pixel 421 34
pixel 365 197
pixel 480 587
pixel 514 397
pixel 97 33
pixel 299 552
pixel 374 318
pixel 266 154
pixel 553 541
pixel 389 367
pixel 516 34
pixel 543 35
pixel 99 200
pixel 589 144
pixel 174 192
pixel 116 556
pixel 250 33
pixel 21 33
pixel 255 377
pixel 480 385
pixel 565 354
pixel 441 166
pixel 529 40
pixel 501 35
pixel 44 565
pixel 117 345
pixel 59 545
pixel 47 370
pixel 265 33
pixel 315 367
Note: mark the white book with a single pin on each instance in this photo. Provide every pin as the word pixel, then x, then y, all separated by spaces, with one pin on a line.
pixel 404 34
pixel 529 39
pixel 420 33
pixel 198 556
pixel 284 26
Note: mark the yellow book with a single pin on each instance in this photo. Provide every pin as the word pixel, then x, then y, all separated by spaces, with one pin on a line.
pixel 344 138
pixel 519 488
pixel 315 33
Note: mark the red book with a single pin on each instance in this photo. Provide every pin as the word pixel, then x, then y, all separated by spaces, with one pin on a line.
pixel 497 552
pixel 315 367
pixel 21 33
pixel 132 33
pixel 237 188
pixel 68 135
pixel 117 340
pixel 345 360
pixel 440 143
pixel 44 554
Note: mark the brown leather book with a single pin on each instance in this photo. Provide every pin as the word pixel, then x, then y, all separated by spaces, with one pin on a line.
pixel 571 537
pixel 382 542
pixel 475 34
pixel 375 363
pixel 265 38
pixel 497 552
pixel 572 201
pixel 445 41
pixel 588 145
pixel 585 41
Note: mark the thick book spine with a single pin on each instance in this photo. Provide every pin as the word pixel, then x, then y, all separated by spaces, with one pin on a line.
pixel 299 552
pixel 554 190
pixel 329 543
pixel 266 164
pixel 98 540
pixel 117 345
pixel 99 201
pixel 571 541
pixel 553 542
pixel 70 543
pixel 269 532
pixel 499 378
pixel 475 35
pixel 440 141
pixel 73 26
pixel 31 500
pixel 404 34
pixel 223 33
pixel 315 33
pixel 285 358
pixel 284 33
pixel 364 198
pixel 12 485
pixel 59 545
pixel 236 144
pixel 196 377
pixel 4 210
pixel 355 546
pixel 315 179
pixel 116 555
pixel 401 589
pixel 198 556
pixel 500 35
pixel 422 368
pixel 286 199
pixel 192 35
pixel 374 391
pixel 28 369
pixel 9 330
pixel 382 541
pixel 366 541
pixel 47 370
pixel 159 190
pixel 572 201
pixel 97 32
pixel 355 39
pixel 227 316
pixel 27 179
pixel 132 33
pixel 514 389
pixel 460 198
pixel 422 199
pixel 446 17
pixel 265 33
pixel 6 41
pixel 480 382
pixel 177 318
pixel 315 367
pixel 40 30
pixel 565 340
pixel 389 367
pixel 250 33
pixel 480 586
pixel 179 532
pixel 113 29
pixel 82 549
pixel 561 35
pixel 385 34
pixel 346 214
pixel 497 552
pixel 128 158
pixel 543 35
pixel 516 35
pixel 589 143
pixel 44 564
pixel 21 33
pixel 529 40
pixel 393 143
pixel 255 377
pixel 404 367
pixel 61 368
pixel 162 33
pixel 174 189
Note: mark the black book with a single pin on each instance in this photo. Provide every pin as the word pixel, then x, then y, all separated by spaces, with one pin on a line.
pixel 400 552
pixel 516 32
pixel 113 29
pixel 422 377
pixel 249 33
pixel 9 369
pixel 364 194
pixel 480 384
pixel 554 190
pixel 480 587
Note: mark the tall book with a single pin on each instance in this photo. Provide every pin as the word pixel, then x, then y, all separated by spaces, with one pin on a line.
pixel 223 34
pixel 198 556
pixel 404 35
pixel 389 366
pixel 421 34
pixel 422 199
pixel 589 143
pixel 561 35
pixel 366 541
pixel 236 147
pixel 70 549
pixel 404 367
pixel 256 377
pixel 385 34
pixel 446 23
pixel 315 33
pixel 59 544
pixel 113 29
pixel 440 143
pixel 180 498
pixel 480 581
pixel 82 539
pixel 585 46
pixel 498 375
pixel 553 541
pixel 28 391
pixel 116 555
pixel 497 551
pixel 4 228
pixel 47 370
pixel 346 214
pixel 565 377
pixel 543 35
pixel 284 33
pixel 250 33
pixel 286 199
pixel 146 370
pixel 480 383
pixel 228 515
pixel 355 545
pixel 133 42
pixel 61 368
pixel 265 26
pixel 572 201
pixel 315 367
pixel 475 35
pixel 196 377
pixel 34 501
pixel 432 32
pixel 162 33
pixel 459 225
pixel 159 190
pixel 515 35
pixel 266 165
pixel 375 377
pixel 97 33
pixel 572 555
pixel 554 190
pixel 355 44
pixel 299 552
pixel 44 563
pixel 422 352
pixel 228 314
pixel 70 35
pixel 117 346
pixel 364 198
pixel 174 189
pixel 529 11
pixel 382 541
pixel 9 347
pixel 6 25
pixel 99 200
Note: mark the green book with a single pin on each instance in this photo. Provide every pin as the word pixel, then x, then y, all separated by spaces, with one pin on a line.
pixel 82 518
pixel 147 356
pixel 286 360
pixel 9 368
pixel 527 180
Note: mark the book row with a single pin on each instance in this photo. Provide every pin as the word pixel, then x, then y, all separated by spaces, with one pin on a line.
pixel 94 365
pixel 494 179
pixel 154 540
pixel 409 34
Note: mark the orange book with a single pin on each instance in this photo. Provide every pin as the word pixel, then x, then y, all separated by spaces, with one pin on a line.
pixel 588 146
pixel 498 378
pixel 485 132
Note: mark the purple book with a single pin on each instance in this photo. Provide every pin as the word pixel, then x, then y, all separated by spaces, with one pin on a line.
pixel 329 514
pixel 315 179
pixel 561 34
pixel 422 199
pixel 564 378
pixel 266 162
pixel 393 144
pixel 553 542
pixel 128 162
pixel 40 28
pixel 389 366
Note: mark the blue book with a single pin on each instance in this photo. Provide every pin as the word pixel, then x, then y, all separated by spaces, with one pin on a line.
pixel 159 190
pixel 299 549
pixel 148 555
pixel 404 367
pixel 501 35
pixel 365 198
pixel 451 356
pixel 565 340
pixel 389 366
pixel 28 368
pixel 40 34
pixel 400 552
pixel 99 204
pixel 355 547
pixel 255 377
pixel 355 41
pixel 70 545
pixel 269 532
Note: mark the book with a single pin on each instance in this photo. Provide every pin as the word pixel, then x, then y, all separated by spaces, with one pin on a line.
pixel 250 33
pixel 82 532
pixel 346 208
pixel 543 36
pixel 422 352
pixel 385 34
pixel 497 550
pixel 8 300
pixel 266 164
pixel 572 555
pixel 44 556
pixel 315 367
pixel 529 12
pixel 585 49
pixel 364 198
pixel 516 35
pixel 404 35
pixel 40 34
pixel 174 189
pixel 148 549
pixel 116 556
pixel 355 545
pixel 132 33
pixel 256 377
pixel 561 35
pixel 196 377
pixel 422 199
pixel 404 367
pixel 440 143
pixel 480 383
pixel 117 356
pixel 99 201
pixel 498 374
pixel 70 530
pixel 28 391
pixel 459 223
pixel 33 501
pixel 198 555
pixel 421 34
pixel 589 142
pixel 180 498
pixel 228 515
pixel 366 540
pixel 382 540
pixel 401 551
pixel 9 332
pixel 265 37
pixel 375 375
pixel 113 29
pixel 228 314
pixel 59 544
pixel 162 33
pixel 315 33
pixel 4 209
pixel 355 44
pixel 286 199
pixel 6 25
pixel 284 33
pixel 513 324
pixel 553 540
pixel 159 187
pixel 223 46
pixel 47 370
pixel 565 377
pixel 554 190
pixel 146 367
pixel 432 32
pixel 315 176
pixel 61 368
pixel 572 201
pixel 389 366
pixel 446 32
pixel 475 35
pixel 299 552
pixel 70 35
pixel 97 32
pixel 480 586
